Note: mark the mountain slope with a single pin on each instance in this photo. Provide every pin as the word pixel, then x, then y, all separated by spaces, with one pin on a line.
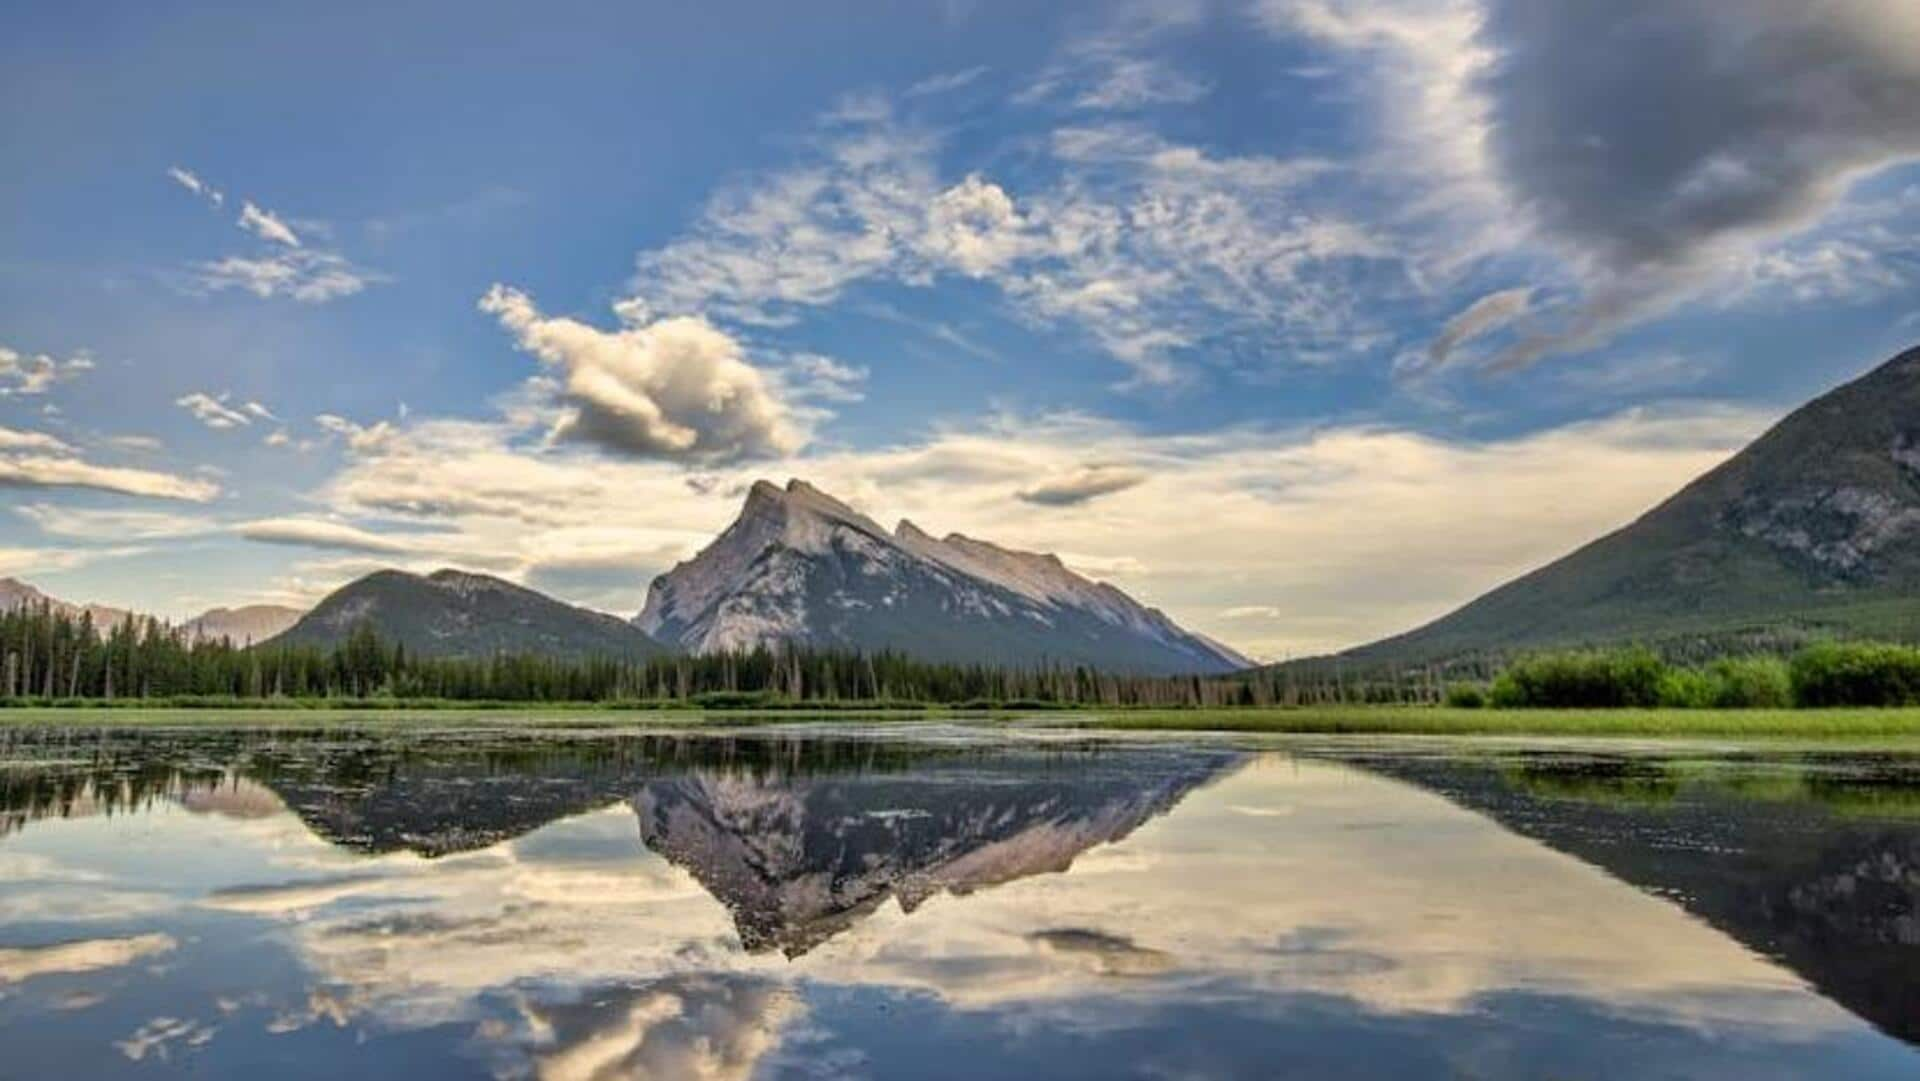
pixel 1816 523
pixel 799 566
pixel 241 626
pixel 451 613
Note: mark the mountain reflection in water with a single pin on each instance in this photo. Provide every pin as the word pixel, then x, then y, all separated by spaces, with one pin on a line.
pixel 935 903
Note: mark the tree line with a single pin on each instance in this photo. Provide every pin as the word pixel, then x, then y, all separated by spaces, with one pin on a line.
pixel 52 656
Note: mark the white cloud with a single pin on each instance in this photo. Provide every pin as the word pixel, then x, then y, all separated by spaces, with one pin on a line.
pixel 1150 247
pixel 1108 66
pixel 360 438
pixel 947 83
pixel 38 561
pixel 22 375
pixel 263 224
pixel 811 376
pixel 335 536
pixel 47 471
pixel 213 411
pixel 102 524
pixel 1082 485
pixel 194 184
pixel 16 439
pixel 303 274
pixel 285 268
pixel 677 388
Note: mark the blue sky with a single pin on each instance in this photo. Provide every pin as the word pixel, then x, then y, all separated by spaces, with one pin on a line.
pixel 1302 319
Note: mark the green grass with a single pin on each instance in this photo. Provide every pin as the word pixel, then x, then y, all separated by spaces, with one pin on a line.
pixel 1840 724
pixel 1880 725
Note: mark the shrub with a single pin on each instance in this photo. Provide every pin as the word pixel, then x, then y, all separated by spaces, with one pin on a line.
pixel 1623 678
pixel 1688 688
pixel 1466 696
pixel 1751 683
pixel 1856 674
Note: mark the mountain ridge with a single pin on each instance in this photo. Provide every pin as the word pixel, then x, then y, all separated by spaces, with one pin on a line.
pixel 454 613
pixel 799 566
pixel 1815 525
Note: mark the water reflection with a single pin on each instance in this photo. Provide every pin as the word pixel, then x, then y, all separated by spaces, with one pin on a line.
pixel 814 905
pixel 1813 860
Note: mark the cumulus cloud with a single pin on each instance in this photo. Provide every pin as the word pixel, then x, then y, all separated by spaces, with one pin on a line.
pixel 22 375
pixel 676 388
pixel 1082 485
pixel 213 411
pixel 265 225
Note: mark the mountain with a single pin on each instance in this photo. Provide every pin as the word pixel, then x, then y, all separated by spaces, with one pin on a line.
pixel 1814 526
pixel 799 566
pixel 241 626
pixel 17 594
pixel 453 613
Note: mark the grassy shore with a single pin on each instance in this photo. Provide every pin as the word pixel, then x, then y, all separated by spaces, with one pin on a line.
pixel 1820 724
pixel 1842 724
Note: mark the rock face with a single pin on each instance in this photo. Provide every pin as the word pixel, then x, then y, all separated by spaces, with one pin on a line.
pixel 799 566
pixel 1815 524
pixel 452 613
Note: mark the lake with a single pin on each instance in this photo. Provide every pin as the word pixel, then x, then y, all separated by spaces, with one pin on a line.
pixel 927 901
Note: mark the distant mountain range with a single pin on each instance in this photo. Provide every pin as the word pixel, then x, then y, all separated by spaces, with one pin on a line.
pixel 797 567
pixel 452 613
pixel 242 626
pixel 1814 527
pixel 800 566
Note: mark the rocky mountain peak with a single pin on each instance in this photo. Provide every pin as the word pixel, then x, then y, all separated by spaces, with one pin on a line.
pixel 800 566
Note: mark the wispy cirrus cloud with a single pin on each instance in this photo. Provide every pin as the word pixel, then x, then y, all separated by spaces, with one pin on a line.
pixel 23 375
pixel 213 411
pixel 1152 248
pixel 95 523
pixel 286 268
pixel 267 226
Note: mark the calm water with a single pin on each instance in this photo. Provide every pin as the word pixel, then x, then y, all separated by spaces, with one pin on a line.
pixel 943 903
